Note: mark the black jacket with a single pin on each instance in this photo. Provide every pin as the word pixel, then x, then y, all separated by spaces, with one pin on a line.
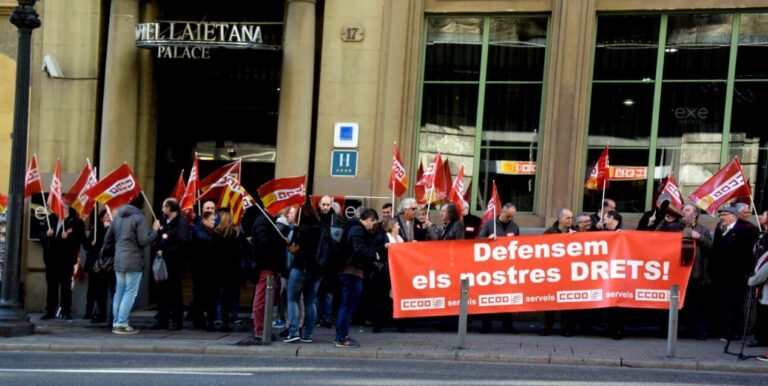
pixel 732 260
pixel 173 238
pixel 419 233
pixel 359 248
pixel 471 226
pixel 555 228
pixel 268 245
pixel 60 252
pixel 454 230
pixel 92 249
pixel 502 229
pixel 307 237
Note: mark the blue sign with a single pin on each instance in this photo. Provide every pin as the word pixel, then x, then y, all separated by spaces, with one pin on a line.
pixel 343 163
pixel 345 133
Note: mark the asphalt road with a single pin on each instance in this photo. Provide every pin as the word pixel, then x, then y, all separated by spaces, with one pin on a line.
pixel 45 368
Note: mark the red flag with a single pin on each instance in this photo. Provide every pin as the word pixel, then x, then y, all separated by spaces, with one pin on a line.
pixel 397 178
pixel 3 202
pixel 493 207
pixel 118 188
pixel 457 191
pixel 282 192
pixel 315 200
pixel 599 173
pixel 216 181
pixel 444 180
pixel 236 198
pixel 32 182
pixel 189 197
pixel 55 202
pixel 83 204
pixel 428 178
pixel 180 189
pixel 420 191
pixel 730 182
pixel 77 187
pixel 670 188
pixel 468 192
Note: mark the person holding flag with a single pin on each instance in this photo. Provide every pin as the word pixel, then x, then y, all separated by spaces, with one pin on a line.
pixel 502 224
pixel 61 248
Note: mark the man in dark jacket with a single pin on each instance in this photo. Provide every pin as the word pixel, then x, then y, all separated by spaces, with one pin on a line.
pixel 471 223
pixel 452 229
pixel 411 229
pixel 505 224
pixel 332 224
pixel 269 250
pixel 358 252
pixel 61 247
pixel 127 238
pixel 731 264
pixel 173 238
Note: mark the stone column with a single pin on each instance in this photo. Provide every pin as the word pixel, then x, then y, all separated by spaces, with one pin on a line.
pixel 294 126
pixel 121 86
pixel 565 125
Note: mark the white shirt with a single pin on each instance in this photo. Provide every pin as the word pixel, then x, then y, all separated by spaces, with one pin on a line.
pixel 728 228
pixel 394 239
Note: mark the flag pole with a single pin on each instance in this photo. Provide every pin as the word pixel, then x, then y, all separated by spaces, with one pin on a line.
pixel 494 218
pixel 602 202
pixel 393 196
pixel 95 219
pixel 45 205
pixel 754 209
pixel 149 204
pixel 269 218
pixel 429 198
pixel 109 212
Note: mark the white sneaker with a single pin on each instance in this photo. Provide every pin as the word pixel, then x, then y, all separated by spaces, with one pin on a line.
pixel 125 330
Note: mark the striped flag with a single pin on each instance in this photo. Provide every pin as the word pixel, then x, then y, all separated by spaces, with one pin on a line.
pixel 235 198
pixel 82 202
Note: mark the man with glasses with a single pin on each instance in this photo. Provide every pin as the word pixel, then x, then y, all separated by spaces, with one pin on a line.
pixel 411 229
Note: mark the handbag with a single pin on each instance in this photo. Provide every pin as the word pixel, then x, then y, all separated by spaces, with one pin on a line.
pixel 105 263
pixel 159 270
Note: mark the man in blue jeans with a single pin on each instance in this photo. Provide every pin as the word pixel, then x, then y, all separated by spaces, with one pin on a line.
pixel 126 240
pixel 359 251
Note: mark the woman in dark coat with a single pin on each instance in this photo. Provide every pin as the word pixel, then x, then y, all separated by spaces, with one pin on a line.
pixel 229 243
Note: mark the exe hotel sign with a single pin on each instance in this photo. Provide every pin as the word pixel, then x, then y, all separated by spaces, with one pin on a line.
pixel 194 40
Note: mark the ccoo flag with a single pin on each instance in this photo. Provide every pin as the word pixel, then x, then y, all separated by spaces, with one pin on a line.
pixel 599 173
pixel 32 182
pixel 282 192
pixel 457 191
pixel 493 207
pixel 55 202
pixel 189 197
pixel 670 188
pixel 118 188
pixel 726 184
pixel 397 179
pixel 83 204
pixel 179 189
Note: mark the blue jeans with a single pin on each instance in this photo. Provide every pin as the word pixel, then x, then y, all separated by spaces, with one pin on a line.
pixel 125 293
pixel 351 286
pixel 302 283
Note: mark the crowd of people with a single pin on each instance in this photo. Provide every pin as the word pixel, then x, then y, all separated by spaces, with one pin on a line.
pixel 330 269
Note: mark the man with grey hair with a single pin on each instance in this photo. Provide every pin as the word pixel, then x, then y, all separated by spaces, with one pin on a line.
pixel 583 222
pixel 563 222
pixel 411 229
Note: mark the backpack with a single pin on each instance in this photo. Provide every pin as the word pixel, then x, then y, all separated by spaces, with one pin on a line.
pixel 329 245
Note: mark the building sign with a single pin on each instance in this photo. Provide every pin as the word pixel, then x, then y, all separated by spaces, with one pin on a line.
pixel 343 163
pixel 194 40
pixel 353 33
pixel 628 173
pixel 516 168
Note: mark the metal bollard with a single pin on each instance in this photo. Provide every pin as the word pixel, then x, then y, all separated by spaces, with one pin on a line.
pixel 674 300
pixel 463 305
pixel 268 309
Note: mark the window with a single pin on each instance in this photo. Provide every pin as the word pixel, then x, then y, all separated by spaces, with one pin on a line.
pixel 658 108
pixel 481 102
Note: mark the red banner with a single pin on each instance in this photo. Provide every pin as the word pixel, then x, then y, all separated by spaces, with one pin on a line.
pixel 631 269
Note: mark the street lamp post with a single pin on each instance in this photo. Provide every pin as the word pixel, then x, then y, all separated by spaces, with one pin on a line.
pixel 13 319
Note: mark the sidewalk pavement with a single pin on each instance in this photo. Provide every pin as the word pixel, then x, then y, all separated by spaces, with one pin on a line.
pixel 527 347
